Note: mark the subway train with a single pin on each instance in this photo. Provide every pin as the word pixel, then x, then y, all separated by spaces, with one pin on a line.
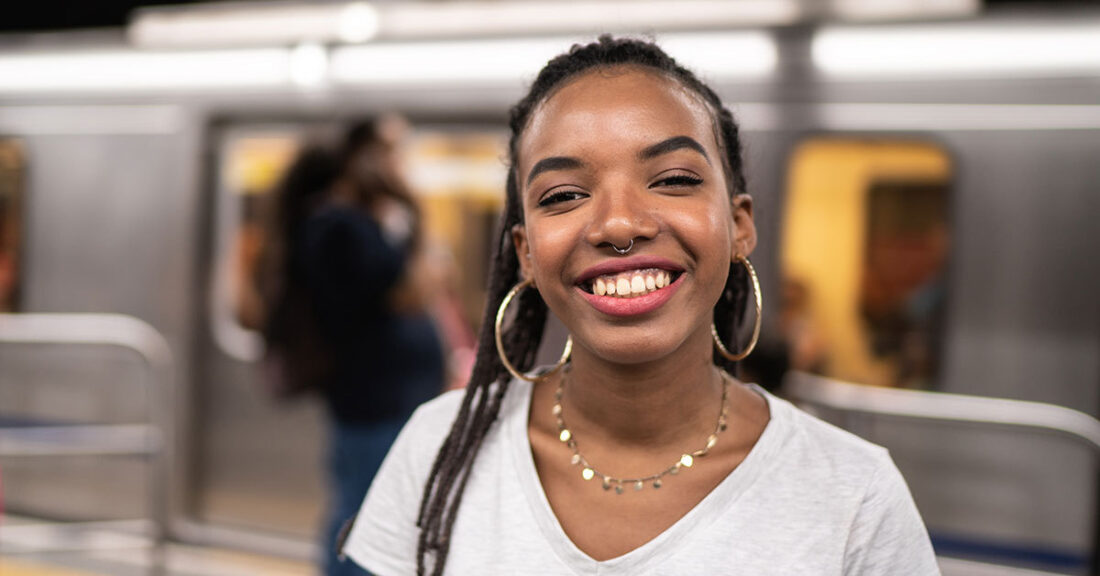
pixel 926 196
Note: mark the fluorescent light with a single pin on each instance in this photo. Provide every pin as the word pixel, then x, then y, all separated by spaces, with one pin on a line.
pixel 286 23
pixel 358 23
pixel 482 18
pixel 724 55
pixel 308 65
pixel 961 50
pixel 713 55
pixel 128 70
pixel 255 23
pixel 434 62
pixel 869 10
pixel 717 55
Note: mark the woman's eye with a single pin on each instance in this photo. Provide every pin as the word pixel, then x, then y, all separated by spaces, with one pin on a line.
pixel 560 196
pixel 679 180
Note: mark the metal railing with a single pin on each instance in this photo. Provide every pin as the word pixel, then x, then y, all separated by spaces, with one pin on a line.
pixel 151 440
pixel 855 400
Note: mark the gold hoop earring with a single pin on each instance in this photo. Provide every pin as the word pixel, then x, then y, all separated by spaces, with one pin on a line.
pixel 755 330
pixel 500 341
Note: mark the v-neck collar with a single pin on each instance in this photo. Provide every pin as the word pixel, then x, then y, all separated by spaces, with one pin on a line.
pixel 716 504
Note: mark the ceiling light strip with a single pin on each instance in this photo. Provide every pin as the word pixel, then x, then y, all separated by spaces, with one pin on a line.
pixel 957 50
pixel 137 71
pixel 715 56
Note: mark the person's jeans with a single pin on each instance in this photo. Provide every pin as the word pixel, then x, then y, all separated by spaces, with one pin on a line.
pixel 355 453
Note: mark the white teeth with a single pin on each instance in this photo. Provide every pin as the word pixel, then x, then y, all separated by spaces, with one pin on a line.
pixel 622 287
pixel 628 284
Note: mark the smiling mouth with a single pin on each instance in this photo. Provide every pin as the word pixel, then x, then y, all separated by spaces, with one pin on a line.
pixel 630 284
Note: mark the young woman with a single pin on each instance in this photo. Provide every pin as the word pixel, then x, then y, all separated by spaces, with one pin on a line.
pixel 639 453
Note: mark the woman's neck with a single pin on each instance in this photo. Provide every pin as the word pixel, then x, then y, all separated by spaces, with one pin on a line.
pixel 654 402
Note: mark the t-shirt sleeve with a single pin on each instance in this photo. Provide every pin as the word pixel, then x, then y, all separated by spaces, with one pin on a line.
pixel 887 536
pixel 384 536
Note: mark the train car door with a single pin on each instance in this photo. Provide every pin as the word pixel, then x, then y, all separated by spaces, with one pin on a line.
pixel 258 463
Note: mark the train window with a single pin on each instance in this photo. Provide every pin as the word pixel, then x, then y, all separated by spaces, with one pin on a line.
pixel 11 222
pixel 864 252
pixel 459 176
pixel 251 160
pixel 456 171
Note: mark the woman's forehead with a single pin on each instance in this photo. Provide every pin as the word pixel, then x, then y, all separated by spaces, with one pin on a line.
pixel 610 105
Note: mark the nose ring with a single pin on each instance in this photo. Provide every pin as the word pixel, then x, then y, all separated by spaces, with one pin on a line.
pixel 622 251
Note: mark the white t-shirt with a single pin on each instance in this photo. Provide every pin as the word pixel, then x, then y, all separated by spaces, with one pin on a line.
pixel 808 499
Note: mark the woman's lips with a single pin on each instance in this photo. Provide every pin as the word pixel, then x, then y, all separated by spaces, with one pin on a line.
pixel 633 305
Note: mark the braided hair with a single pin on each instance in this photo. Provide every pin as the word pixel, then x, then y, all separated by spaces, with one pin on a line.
pixel 489 380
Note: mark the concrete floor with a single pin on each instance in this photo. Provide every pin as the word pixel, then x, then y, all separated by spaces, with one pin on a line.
pixel 31 548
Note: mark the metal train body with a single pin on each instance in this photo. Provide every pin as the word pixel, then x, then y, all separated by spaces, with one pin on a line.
pixel 124 212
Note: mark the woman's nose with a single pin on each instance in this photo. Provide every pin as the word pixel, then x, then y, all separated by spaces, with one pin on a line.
pixel 620 217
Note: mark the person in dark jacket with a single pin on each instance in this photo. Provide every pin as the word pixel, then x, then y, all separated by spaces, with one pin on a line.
pixel 360 332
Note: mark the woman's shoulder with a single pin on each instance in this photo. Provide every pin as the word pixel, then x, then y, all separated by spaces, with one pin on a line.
pixel 884 533
pixel 432 420
pixel 822 444
pixel 408 464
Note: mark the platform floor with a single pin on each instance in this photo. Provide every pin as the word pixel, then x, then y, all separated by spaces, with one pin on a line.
pixel 182 561
pixel 30 548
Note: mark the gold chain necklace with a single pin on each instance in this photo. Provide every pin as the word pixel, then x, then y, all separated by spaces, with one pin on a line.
pixel 588 472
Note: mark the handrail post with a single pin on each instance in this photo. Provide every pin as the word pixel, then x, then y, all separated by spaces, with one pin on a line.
pixel 136 336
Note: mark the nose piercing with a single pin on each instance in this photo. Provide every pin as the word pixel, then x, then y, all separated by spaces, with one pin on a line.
pixel 622 250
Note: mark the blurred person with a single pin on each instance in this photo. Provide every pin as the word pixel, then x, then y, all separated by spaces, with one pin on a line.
pixel 247 252
pixel 459 340
pixel 805 345
pixel 902 299
pixel 351 314
pixel 277 300
pixel 9 247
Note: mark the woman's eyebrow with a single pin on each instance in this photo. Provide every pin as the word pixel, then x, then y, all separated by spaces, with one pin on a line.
pixel 553 163
pixel 670 145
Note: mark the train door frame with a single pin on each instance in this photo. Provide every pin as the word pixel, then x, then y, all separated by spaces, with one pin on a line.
pixel 214 130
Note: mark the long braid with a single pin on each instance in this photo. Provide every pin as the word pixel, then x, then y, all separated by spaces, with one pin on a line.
pixel 489 380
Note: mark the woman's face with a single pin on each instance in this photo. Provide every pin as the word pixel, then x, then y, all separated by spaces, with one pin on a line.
pixel 617 156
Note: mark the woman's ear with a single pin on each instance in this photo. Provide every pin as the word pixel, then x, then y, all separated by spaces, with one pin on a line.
pixel 744 238
pixel 523 250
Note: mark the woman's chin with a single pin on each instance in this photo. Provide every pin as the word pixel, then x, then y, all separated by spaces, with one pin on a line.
pixel 629 350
